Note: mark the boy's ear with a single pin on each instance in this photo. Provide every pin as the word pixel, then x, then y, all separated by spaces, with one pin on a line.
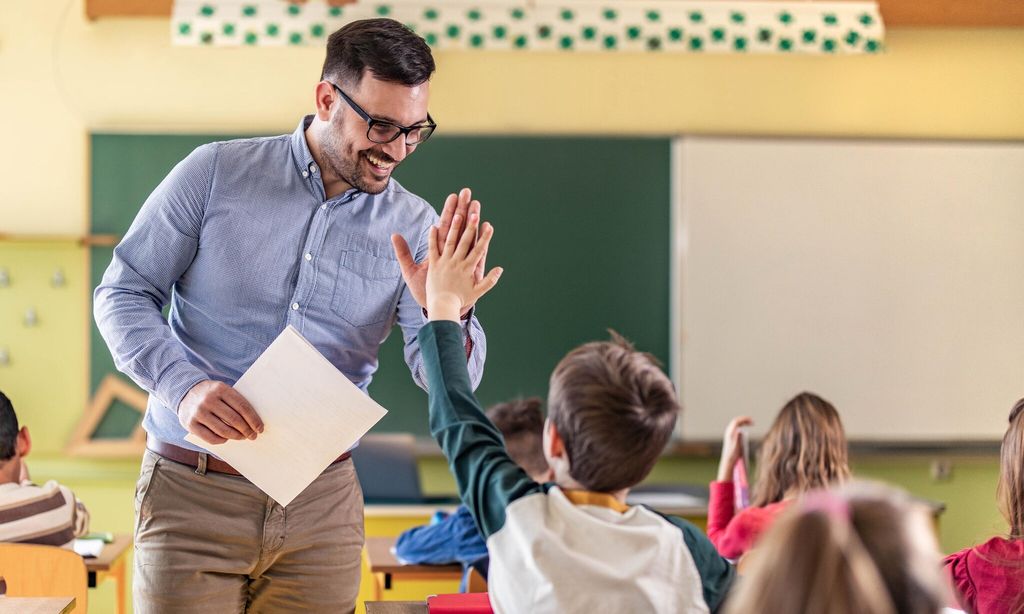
pixel 23 444
pixel 553 444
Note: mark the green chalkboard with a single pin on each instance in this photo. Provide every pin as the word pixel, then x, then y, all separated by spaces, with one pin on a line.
pixel 582 230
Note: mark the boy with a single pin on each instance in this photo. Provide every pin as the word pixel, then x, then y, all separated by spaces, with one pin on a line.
pixel 455 538
pixel 48 514
pixel 571 546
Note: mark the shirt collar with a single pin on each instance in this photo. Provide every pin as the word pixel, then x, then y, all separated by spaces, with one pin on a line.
pixel 598 499
pixel 304 162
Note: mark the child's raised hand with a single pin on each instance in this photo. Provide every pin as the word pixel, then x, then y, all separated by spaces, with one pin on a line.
pixel 452 281
pixel 731 449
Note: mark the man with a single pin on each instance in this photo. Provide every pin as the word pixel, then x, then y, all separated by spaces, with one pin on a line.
pixel 48 514
pixel 253 235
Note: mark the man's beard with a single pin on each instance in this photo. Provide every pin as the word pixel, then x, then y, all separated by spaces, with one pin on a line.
pixel 346 163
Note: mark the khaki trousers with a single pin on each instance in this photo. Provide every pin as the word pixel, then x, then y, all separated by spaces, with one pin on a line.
pixel 211 542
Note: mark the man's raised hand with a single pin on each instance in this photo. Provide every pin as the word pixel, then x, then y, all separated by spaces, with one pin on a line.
pixel 452 280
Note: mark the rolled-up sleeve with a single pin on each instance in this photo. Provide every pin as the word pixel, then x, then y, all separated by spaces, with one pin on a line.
pixel 156 251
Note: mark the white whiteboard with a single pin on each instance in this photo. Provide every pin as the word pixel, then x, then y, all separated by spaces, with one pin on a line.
pixel 887 276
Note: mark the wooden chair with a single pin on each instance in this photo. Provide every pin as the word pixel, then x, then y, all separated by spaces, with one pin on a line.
pixel 477 583
pixel 44 571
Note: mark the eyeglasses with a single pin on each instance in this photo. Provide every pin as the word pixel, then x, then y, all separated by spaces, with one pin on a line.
pixel 382 131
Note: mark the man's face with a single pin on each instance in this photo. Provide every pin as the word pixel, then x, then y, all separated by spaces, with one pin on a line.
pixel 352 156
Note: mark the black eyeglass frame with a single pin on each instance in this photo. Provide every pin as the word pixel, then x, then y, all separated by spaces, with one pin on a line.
pixel 372 121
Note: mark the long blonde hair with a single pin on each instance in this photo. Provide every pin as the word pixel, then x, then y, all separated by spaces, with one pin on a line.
pixel 805 448
pixel 862 549
pixel 1010 491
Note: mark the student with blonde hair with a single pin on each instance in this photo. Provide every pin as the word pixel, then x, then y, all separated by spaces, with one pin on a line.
pixel 862 549
pixel 805 448
pixel 989 579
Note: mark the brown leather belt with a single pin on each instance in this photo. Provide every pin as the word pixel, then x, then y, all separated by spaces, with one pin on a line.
pixel 191 458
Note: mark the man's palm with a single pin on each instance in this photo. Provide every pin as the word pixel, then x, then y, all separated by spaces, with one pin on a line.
pixel 415 273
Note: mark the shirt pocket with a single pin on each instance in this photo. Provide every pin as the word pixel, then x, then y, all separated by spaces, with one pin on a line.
pixel 366 288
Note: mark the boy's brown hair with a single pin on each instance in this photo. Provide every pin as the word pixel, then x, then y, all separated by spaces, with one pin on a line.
pixel 1010 490
pixel 805 448
pixel 521 423
pixel 614 409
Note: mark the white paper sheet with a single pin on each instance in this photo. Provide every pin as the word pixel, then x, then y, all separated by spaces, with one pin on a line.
pixel 88 548
pixel 311 413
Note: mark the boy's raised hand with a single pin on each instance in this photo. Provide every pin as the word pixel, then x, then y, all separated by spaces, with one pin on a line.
pixel 415 273
pixel 453 282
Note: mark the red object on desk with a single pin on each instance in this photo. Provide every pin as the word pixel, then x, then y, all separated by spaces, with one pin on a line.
pixel 459 603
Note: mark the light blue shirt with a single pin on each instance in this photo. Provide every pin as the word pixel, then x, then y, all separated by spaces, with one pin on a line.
pixel 241 241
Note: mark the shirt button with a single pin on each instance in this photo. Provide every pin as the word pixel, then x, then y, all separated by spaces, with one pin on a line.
pixel 295 306
pixel 323 206
pixel 309 257
pixel 313 168
pixel 305 173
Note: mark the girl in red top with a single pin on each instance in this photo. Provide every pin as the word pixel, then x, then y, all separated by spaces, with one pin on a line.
pixel 804 449
pixel 990 578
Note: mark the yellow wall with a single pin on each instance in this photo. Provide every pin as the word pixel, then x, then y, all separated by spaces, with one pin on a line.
pixel 46 377
pixel 63 76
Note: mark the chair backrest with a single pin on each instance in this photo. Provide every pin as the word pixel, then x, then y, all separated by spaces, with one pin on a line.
pixel 44 571
pixel 476 583
pixel 387 468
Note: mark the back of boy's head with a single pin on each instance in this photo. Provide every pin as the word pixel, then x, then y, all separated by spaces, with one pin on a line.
pixel 1010 491
pixel 8 429
pixel 805 448
pixel 865 549
pixel 614 410
pixel 522 426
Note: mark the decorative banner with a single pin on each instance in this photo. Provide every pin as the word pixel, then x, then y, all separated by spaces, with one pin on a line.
pixel 572 25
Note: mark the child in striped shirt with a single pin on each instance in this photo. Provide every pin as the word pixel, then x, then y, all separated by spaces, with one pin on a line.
pixel 48 514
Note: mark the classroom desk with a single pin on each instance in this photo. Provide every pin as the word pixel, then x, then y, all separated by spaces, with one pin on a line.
pixel 396 607
pixel 36 605
pixel 111 563
pixel 690 503
pixel 384 566
pixel 408 510
pixel 391 519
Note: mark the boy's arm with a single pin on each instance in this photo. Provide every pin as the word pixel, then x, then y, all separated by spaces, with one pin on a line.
pixel 79 513
pixel 81 519
pixel 487 478
pixel 716 573
pixel 412 317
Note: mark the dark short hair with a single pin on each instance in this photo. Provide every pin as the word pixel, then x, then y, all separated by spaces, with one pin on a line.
pixel 391 51
pixel 521 423
pixel 8 428
pixel 614 409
